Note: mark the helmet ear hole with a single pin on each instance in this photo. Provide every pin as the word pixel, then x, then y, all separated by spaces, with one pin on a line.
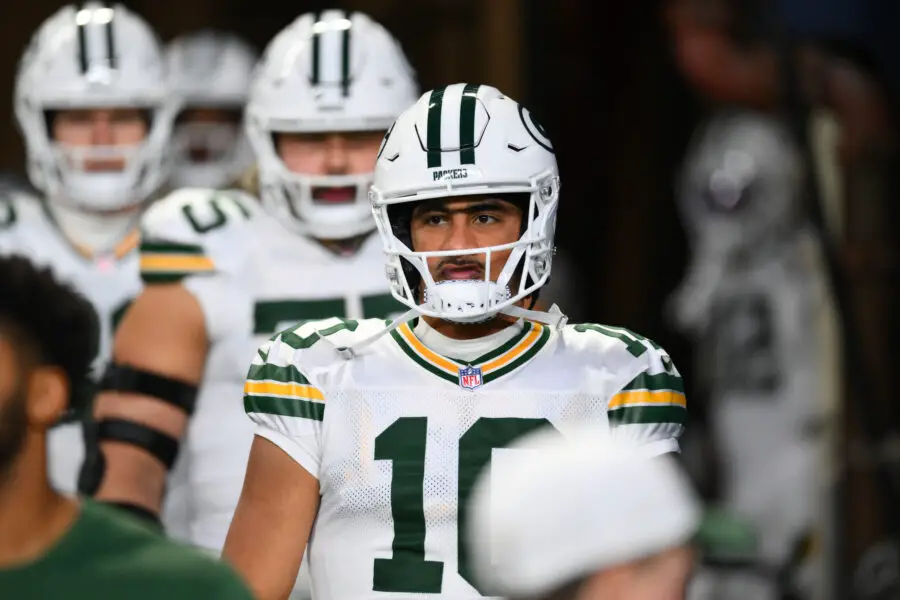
pixel 400 217
pixel 49 119
pixel 413 279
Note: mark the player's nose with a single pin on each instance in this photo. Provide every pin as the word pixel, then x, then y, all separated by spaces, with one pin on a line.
pixel 336 159
pixel 460 236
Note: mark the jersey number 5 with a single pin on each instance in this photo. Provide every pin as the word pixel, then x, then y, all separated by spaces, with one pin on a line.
pixel 403 443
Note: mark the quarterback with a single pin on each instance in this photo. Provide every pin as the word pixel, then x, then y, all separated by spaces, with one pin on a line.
pixel 370 434
pixel 91 100
pixel 225 271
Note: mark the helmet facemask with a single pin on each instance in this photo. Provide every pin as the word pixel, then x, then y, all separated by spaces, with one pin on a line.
pixel 68 173
pixel 321 206
pixel 209 153
pixel 210 70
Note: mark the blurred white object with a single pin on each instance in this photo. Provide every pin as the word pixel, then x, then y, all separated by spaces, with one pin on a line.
pixel 555 510
pixel 755 302
pixel 210 70
pixel 740 202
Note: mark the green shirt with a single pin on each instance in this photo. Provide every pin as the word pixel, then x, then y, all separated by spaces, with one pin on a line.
pixel 106 556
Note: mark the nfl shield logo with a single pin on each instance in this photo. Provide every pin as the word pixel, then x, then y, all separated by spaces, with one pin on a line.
pixel 470 377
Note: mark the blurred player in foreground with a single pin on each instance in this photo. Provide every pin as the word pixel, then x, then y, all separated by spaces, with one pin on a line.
pixel 50 545
pixel 585 518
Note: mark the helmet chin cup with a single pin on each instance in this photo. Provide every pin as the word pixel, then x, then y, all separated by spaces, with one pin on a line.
pixel 465 300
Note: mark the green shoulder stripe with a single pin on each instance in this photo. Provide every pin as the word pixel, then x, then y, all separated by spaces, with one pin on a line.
pixel 298 342
pixel 633 342
pixel 168 262
pixel 654 383
pixel 270 372
pixel 160 247
pixel 647 415
pixel 285 407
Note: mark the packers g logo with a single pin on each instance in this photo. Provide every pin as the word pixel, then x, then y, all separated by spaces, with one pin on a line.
pixel 535 130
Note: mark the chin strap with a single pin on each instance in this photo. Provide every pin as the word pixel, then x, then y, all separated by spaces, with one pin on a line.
pixel 554 317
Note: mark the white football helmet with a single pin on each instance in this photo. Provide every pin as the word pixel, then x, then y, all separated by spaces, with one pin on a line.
pixel 332 72
pixel 461 140
pixel 740 196
pixel 210 69
pixel 95 56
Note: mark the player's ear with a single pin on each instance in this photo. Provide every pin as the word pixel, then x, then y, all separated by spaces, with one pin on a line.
pixel 48 396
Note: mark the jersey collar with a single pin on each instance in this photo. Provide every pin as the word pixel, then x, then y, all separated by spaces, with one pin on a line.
pixel 486 368
pixel 128 244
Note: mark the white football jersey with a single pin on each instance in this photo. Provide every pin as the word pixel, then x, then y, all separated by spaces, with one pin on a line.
pixel 110 282
pixel 252 277
pixel 398 434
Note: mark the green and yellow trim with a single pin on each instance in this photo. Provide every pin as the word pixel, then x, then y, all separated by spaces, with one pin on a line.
pixel 127 245
pixel 286 399
pixel 120 251
pixel 168 262
pixel 497 363
pixel 650 399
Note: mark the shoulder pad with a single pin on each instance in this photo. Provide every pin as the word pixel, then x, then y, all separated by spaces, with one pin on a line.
pixel 619 348
pixel 318 342
pixel 195 231
pixel 22 213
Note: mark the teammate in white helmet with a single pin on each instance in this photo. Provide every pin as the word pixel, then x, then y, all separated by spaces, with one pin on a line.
pixel 369 435
pixel 586 517
pixel 92 101
pixel 755 301
pixel 224 271
pixel 211 72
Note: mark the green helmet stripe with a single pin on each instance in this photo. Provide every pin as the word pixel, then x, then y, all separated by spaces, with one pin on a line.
pixel 316 51
pixel 345 59
pixel 435 103
pixel 467 124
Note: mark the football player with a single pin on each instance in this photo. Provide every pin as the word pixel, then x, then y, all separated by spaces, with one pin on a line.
pixel 369 436
pixel 92 102
pixel 756 303
pixel 224 272
pixel 211 72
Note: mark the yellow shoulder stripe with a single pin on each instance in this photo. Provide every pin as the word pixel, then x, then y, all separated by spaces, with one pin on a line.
pixel 646 397
pixel 176 262
pixel 283 390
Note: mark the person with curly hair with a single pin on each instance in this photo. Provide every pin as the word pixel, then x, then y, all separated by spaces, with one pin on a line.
pixel 52 544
